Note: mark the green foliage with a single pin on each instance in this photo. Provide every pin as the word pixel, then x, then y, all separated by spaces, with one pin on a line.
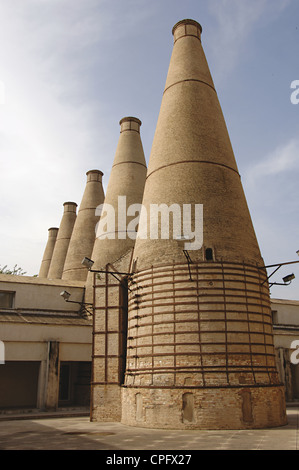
pixel 16 271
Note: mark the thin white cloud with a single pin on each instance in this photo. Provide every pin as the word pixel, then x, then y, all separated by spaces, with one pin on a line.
pixel 52 112
pixel 271 187
pixel 236 20
pixel 46 131
pixel 283 159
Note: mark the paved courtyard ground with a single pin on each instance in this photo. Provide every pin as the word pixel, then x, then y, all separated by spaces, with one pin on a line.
pixel 78 433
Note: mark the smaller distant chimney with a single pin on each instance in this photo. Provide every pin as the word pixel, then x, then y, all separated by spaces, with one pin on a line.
pixel 44 268
pixel 62 241
pixel 127 178
pixel 130 124
pixel 186 28
pixel 84 232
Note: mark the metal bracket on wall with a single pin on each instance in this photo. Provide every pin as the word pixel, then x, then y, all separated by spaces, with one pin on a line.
pixel 189 261
pixel 278 266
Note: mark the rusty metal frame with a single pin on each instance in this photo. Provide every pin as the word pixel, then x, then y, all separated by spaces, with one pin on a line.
pixel 177 273
pixel 278 266
pixel 248 275
pixel 106 332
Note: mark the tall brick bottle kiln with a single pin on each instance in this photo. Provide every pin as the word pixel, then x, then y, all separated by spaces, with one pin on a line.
pixel 200 352
pixel 63 239
pixel 83 235
pixel 114 254
pixel 48 253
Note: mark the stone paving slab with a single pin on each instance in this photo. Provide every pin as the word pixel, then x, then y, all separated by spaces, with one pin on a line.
pixel 78 433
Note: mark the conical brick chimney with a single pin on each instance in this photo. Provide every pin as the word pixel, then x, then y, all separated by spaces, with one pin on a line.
pixel 45 264
pixel 200 351
pixel 125 189
pixel 83 235
pixel 63 240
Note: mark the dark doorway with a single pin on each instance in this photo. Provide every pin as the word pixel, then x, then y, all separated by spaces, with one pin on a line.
pixel 74 383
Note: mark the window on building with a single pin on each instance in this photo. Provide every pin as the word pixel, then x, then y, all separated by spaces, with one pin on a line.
pixel 274 317
pixel 209 254
pixel 7 299
pixel 64 382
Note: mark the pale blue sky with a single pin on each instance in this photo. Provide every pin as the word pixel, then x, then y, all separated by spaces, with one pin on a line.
pixel 71 69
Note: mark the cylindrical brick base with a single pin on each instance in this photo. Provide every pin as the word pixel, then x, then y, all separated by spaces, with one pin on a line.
pixel 206 408
pixel 105 403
